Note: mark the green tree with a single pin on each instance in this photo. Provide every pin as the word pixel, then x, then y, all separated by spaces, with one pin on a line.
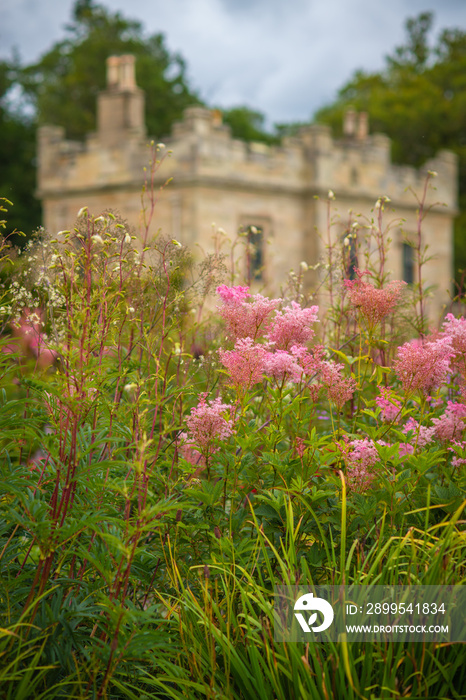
pixel 64 84
pixel 17 158
pixel 419 100
pixel 248 124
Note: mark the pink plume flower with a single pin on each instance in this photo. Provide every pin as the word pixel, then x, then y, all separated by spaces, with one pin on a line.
pixel 233 295
pixel 360 460
pixel 389 406
pixel 423 435
pixel 374 304
pixel 405 448
pixel 451 425
pixel 292 326
pixel 245 319
pixel 189 453
pixel 299 446
pixel 245 364
pixel 455 330
pixel 423 365
pixel 282 365
pixel 339 389
pixel 207 424
pixel 29 338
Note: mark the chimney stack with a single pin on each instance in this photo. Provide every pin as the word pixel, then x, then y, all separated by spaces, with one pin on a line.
pixel 120 107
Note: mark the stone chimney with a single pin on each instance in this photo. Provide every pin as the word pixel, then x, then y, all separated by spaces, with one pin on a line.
pixel 363 126
pixel 350 123
pixel 120 107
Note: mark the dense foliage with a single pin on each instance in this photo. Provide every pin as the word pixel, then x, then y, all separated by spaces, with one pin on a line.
pixel 165 465
pixel 17 155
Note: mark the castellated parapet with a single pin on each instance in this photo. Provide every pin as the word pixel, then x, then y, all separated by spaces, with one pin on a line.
pixel 281 190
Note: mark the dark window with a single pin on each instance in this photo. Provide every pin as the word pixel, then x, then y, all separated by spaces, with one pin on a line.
pixel 254 253
pixel 408 263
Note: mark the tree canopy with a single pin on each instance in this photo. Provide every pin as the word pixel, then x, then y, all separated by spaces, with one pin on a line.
pixel 419 100
pixel 17 157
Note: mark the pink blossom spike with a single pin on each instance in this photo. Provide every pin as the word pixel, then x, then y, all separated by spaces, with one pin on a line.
pixel 292 326
pixel 423 366
pixel 373 303
pixel 245 364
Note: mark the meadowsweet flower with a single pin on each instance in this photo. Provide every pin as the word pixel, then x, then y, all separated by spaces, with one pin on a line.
pixel 423 365
pixel 29 338
pixel 374 304
pixel 451 425
pixel 360 457
pixel 282 365
pixel 245 319
pixel 292 326
pixel 405 448
pixel 339 389
pixel 455 330
pixel 423 435
pixel 189 453
pixel 310 361
pixel 389 406
pixel 233 294
pixel 207 424
pixel 245 364
pixel 299 446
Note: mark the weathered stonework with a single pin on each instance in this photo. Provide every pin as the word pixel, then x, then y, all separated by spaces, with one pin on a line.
pixel 281 189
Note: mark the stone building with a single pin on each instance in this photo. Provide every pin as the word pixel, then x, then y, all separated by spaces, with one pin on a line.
pixel 281 190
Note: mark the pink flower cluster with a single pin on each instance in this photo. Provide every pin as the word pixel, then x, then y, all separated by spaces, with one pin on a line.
pixel 284 355
pixel 374 304
pixel 390 407
pixel 451 425
pixel 245 319
pixel 207 424
pixel 233 295
pixel 282 365
pixel 245 364
pixel 360 460
pixel 292 326
pixel 424 365
pixel 423 435
pixel 455 330
pixel 30 340
pixel 339 389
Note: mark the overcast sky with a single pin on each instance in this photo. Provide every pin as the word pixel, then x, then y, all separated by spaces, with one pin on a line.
pixel 286 58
